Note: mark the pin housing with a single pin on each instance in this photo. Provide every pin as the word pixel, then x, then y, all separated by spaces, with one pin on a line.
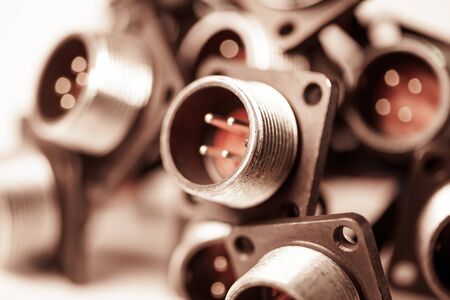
pixel 30 213
pixel 91 91
pixel 202 251
pixel 402 97
pixel 234 161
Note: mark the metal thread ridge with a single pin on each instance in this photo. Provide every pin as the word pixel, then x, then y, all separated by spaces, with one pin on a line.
pixel 29 211
pixel 275 148
pixel 119 86
pixel 297 272
pixel 271 150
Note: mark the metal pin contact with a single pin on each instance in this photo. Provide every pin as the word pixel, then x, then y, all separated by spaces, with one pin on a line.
pixel 216 152
pixel 230 124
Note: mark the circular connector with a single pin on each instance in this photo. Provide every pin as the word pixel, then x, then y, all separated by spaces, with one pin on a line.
pixel 290 4
pixel 30 219
pixel 91 92
pixel 200 267
pixel 294 272
pixel 401 99
pixel 433 243
pixel 231 35
pixel 229 141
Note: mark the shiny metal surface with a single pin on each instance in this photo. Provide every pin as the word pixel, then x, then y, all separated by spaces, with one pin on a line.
pixel 435 218
pixel 30 221
pixel 119 84
pixel 298 273
pixel 271 145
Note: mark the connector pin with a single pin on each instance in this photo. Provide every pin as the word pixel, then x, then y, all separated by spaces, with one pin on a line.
pixel 216 152
pixel 230 124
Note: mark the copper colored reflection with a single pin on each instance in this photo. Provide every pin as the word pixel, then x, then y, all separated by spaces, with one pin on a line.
pixel 63 80
pixel 398 94
pixel 209 273
pixel 209 135
pixel 231 138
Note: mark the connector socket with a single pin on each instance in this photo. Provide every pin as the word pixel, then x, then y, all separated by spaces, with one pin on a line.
pixel 91 91
pixel 229 141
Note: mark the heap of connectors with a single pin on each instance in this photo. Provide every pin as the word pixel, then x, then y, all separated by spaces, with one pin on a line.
pixel 300 139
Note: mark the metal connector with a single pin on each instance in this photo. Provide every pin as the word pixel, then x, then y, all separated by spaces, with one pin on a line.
pixel 229 141
pixel 293 272
pixel 420 259
pixel 401 100
pixel 433 242
pixel 30 217
pixel 91 91
pixel 200 267
pixel 231 35
pixel 322 257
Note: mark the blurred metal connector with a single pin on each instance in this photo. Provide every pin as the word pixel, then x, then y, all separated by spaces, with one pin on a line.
pixel 200 266
pixel 433 242
pixel 229 141
pixel 401 99
pixel 30 217
pixel 291 22
pixel 91 91
pixel 231 35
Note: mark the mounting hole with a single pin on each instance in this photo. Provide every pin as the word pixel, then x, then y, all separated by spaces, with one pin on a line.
pixel 345 238
pixel 244 245
pixel 286 29
pixel 404 273
pixel 312 93
pixel 168 95
pixel 435 166
pixel 290 210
